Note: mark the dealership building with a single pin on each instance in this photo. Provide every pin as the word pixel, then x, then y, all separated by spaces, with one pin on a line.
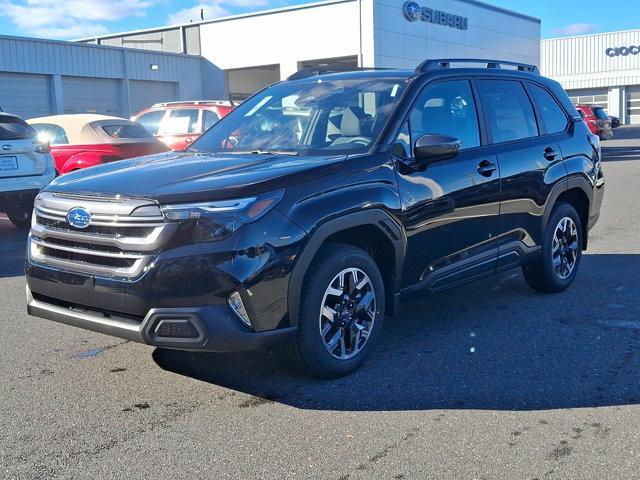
pixel 253 50
pixel 602 69
pixel 233 57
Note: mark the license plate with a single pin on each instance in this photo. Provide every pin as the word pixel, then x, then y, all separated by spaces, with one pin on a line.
pixel 8 163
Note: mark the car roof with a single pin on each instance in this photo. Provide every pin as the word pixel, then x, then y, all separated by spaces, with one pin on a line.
pixel 358 75
pixel 81 128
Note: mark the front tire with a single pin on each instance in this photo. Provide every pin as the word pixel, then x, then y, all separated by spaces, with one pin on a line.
pixel 341 312
pixel 557 265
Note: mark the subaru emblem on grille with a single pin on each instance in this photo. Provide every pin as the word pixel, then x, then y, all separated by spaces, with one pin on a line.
pixel 6 148
pixel 79 217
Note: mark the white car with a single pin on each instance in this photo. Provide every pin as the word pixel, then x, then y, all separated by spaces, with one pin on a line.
pixel 26 166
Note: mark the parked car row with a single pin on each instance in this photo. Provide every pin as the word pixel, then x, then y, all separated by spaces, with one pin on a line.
pixel 34 152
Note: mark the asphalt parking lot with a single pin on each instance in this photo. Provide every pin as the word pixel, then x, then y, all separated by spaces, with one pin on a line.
pixel 489 381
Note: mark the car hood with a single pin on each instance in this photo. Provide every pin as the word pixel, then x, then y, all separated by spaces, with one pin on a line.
pixel 189 177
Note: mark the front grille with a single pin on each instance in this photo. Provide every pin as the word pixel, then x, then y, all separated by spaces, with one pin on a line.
pixel 121 240
pixel 114 231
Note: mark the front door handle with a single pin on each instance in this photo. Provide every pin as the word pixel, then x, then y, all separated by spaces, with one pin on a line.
pixel 486 168
pixel 550 153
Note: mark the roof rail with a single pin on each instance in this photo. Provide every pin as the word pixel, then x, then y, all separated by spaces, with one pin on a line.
pixel 315 71
pixel 222 103
pixel 438 63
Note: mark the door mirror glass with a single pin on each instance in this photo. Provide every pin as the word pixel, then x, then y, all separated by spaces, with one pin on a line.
pixel 434 148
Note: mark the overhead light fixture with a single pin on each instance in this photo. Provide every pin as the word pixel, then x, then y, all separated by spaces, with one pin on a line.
pixel 155 67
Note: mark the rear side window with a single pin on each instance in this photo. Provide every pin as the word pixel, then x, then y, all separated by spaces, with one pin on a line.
pixel 182 121
pixel 554 117
pixel 209 119
pixel 126 131
pixel 50 133
pixel 13 128
pixel 446 108
pixel 151 121
pixel 508 110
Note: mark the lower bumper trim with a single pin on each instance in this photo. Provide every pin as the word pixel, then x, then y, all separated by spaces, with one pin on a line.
pixel 218 329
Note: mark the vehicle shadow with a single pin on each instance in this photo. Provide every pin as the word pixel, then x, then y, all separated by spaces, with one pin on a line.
pixel 13 248
pixel 495 344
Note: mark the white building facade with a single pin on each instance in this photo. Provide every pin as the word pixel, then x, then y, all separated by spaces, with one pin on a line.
pixel 252 50
pixel 602 69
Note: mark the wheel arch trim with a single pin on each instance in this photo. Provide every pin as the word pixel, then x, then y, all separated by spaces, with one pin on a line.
pixel 377 218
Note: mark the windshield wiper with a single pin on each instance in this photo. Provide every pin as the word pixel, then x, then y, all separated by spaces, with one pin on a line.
pixel 261 152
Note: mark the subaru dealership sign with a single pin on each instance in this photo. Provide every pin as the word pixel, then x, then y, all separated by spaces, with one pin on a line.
pixel 414 12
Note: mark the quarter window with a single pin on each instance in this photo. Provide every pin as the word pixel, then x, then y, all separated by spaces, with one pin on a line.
pixel 508 110
pixel 446 108
pixel 554 117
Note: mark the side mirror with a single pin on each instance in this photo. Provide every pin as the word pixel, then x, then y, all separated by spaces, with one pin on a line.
pixel 434 148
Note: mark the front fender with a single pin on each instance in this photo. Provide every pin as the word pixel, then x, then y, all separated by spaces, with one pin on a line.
pixel 375 217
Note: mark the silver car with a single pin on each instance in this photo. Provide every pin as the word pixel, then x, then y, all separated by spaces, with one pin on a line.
pixel 26 166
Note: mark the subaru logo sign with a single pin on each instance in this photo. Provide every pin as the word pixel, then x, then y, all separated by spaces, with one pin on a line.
pixel 414 12
pixel 79 217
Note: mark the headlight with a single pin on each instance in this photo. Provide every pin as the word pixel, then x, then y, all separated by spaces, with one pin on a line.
pixel 217 220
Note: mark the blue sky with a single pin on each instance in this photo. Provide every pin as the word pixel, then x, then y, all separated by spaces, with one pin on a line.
pixel 69 19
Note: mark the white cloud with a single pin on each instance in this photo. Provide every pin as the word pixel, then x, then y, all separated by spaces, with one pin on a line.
pixel 213 9
pixel 69 18
pixel 577 29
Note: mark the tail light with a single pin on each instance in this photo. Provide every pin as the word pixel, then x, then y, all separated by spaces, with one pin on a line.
pixel 43 147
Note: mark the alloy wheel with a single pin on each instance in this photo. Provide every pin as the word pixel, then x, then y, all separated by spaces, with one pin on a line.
pixel 564 251
pixel 347 313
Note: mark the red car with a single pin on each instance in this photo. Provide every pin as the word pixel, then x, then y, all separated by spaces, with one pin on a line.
pixel 178 124
pixel 597 120
pixel 83 140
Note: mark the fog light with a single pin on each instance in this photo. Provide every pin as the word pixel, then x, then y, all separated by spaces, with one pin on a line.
pixel 235 302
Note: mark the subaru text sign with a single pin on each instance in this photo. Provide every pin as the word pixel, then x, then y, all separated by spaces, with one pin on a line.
pixel 414 12
pixel 622 51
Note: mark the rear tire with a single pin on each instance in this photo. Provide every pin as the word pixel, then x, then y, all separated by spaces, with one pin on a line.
pixel 341 312
pixel 20 218
pixel 557 265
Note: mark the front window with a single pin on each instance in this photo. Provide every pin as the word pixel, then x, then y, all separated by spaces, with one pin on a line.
pixel 600 113
pixel 182 121
pixel 312 117
pixel 152 120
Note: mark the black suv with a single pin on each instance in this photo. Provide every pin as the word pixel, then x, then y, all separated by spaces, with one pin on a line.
pixel 308 212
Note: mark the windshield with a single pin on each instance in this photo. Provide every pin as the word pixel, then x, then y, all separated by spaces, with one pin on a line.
pixel 312 117
pixel 600 113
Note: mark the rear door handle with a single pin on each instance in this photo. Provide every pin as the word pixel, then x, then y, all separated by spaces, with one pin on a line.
pixel 486 168
pixel 550 153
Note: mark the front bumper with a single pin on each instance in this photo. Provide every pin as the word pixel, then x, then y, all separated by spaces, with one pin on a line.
pixel 212 328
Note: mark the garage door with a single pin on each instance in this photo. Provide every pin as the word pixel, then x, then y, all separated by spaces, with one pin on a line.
pixel 633 105
pixel 146 93
pixel 91 95
pixel 25 94
pixel 594 96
